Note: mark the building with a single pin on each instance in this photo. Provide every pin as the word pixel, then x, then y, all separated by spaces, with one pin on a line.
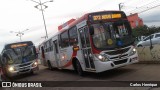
pixel 135 20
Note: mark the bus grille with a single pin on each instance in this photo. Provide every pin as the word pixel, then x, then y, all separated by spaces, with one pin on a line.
pixel 120 61
pixel 120 51
pixel 25 64
pixel 117 57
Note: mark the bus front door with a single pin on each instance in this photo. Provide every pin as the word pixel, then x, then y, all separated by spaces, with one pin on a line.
pixel 86 49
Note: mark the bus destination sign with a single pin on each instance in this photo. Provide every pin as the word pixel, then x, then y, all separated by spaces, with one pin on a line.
pixel 106 16
pixel 18 45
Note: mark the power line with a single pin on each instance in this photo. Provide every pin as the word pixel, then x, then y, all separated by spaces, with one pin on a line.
pixel 141 9
pixel 149 8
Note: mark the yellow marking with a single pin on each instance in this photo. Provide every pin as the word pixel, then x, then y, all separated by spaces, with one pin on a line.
pixel 18 45
pixel 116 15
pixel 110 41
pixel 106 16
pixel 97 17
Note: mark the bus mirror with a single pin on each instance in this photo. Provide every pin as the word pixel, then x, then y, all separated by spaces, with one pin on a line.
pixel 91 30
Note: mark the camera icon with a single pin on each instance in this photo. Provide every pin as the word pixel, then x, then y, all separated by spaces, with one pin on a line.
pixel 6 84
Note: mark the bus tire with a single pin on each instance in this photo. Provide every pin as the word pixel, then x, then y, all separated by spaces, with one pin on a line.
pixel 79 68
pixel 140 45
pixel 49 65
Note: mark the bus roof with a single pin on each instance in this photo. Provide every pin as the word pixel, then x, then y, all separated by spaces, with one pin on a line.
pixel 84 17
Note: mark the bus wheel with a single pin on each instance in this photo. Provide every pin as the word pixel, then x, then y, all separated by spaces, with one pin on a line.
pixel 139 46
pixel 50 66
pixel 79 68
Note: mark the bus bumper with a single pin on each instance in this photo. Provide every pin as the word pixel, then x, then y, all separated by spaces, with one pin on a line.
pixel 30 69
pixel 103 66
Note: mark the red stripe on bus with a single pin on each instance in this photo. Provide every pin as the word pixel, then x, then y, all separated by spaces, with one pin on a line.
pixel 74 54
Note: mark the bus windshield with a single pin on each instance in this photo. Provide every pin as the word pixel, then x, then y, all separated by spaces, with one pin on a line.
pixel 20 55
pixel 110 35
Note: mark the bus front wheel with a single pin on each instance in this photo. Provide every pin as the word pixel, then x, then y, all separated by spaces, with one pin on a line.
pixel 79 68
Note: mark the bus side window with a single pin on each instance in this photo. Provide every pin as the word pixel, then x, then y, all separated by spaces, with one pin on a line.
pixel 56 45
pixel 73 37
pixel 64 39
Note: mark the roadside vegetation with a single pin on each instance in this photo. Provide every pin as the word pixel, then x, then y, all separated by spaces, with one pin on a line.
pixel 145 30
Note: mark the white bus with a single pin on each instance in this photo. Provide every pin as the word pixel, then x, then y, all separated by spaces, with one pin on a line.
pixel 96 42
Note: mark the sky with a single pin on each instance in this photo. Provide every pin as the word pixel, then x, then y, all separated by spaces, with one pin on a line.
pixel 19 15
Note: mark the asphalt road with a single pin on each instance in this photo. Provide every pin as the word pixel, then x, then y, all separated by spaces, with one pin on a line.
pixel 135 72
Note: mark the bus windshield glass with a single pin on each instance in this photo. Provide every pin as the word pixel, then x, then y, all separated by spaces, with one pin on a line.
pixel 20 55
pixel 110 35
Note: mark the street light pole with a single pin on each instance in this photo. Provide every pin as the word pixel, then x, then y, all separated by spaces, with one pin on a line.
pixel 41 9
pixel 19 34
pixel 44 20
pixel 150 38
pixel 120 6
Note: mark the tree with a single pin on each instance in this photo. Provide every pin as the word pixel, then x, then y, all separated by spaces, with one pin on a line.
pixel 145 30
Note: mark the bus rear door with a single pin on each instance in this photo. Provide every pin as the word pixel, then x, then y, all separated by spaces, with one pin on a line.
pixel 56 53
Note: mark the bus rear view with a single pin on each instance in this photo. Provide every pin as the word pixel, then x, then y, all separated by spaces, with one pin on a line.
pixel 19 58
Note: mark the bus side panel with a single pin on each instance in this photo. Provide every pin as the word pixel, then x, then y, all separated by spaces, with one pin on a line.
pixel 66 55
pixel 55 55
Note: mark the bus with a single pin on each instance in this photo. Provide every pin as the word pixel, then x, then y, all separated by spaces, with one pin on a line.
pixel 95 42
pixel 19 58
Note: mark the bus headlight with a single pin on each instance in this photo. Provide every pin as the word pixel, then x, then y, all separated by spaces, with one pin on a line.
pixel 11 68
pixel 101 57
pixel 132 52
pixel 35 64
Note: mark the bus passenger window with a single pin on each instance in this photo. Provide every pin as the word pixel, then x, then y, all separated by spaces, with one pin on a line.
pixel 73 37
pixel 64 39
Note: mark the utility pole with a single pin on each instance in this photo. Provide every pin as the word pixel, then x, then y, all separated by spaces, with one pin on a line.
pixel 120 6
pixel 150 38
pixel 20 33
pixel 42 10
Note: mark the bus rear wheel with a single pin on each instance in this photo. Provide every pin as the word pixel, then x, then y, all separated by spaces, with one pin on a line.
pixel 49 65
pixel 79 68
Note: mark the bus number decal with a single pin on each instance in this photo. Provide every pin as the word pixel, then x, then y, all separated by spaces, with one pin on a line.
pixel 97 17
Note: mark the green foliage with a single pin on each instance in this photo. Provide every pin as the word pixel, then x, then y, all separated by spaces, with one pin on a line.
pixel 145 30
pixel 140 31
